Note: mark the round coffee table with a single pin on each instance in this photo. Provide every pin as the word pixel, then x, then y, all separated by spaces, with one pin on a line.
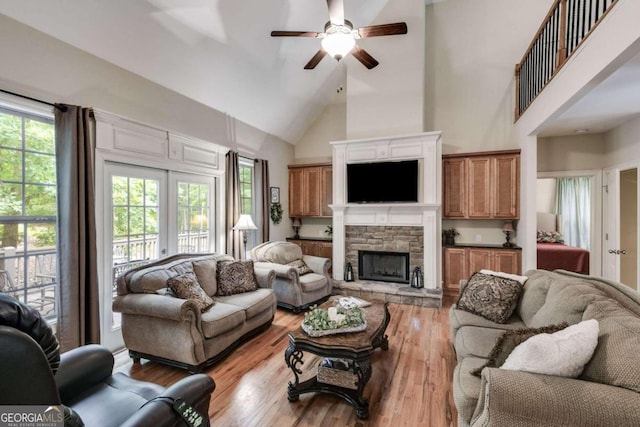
pixel 353 348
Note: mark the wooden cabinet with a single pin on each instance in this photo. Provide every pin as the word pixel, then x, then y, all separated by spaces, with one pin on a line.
pixel 482 185
pixel 310 190
pixel 461 263
pixel 320 248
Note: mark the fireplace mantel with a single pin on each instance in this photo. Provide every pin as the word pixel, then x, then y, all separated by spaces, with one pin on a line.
pixel 426 148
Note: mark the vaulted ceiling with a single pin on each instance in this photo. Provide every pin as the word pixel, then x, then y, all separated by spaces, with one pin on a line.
pixel 217 52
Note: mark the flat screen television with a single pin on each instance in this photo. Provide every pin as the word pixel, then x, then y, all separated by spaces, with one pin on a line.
pixel 382 182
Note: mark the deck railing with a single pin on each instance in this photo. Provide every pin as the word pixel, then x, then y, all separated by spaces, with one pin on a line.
pixel 566 26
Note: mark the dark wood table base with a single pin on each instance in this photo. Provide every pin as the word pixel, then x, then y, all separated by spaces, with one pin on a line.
pixel 356 347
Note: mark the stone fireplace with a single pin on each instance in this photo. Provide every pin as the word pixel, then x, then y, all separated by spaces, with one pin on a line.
pixel 412 227
pixel 383 266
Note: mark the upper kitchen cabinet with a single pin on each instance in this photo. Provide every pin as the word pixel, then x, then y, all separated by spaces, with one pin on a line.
pixel 310 190
pixel 482 185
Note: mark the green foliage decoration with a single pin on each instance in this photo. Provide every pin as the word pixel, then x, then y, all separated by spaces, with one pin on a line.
pixel 276 213
pixel 318 318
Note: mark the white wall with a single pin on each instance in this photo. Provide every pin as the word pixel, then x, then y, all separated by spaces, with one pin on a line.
pixel 40 66
pixel 472 48
pixel 546 195
pixel 575 152
pixel 388 100
pixel 331 125
pixel 623 143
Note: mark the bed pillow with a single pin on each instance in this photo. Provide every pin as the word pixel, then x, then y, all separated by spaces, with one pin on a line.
pixel 510 340
pixel 549 237
pixel 236 277
pixel 562 354
pixel 491 297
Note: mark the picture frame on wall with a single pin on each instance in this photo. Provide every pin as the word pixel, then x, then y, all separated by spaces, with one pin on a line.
pixel 275 194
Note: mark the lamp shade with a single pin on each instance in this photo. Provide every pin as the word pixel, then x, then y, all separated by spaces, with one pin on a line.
pixel 245 223
pixel 508 226
pixel 297 222
pixel 338 43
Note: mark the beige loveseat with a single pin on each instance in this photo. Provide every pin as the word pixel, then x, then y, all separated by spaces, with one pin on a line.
pixel 294 291
pixel 173 330
pixel 607 393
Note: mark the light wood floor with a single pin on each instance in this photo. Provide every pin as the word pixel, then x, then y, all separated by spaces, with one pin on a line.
pixel 410 383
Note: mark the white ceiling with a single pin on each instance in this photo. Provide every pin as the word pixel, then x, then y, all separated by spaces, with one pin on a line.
pixel 217 52
pixel 608 105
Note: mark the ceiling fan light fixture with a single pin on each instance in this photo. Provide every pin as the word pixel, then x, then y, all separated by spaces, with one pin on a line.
pixel 338 41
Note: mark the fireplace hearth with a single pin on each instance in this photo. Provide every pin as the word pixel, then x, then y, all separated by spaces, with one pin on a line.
pixel 383 266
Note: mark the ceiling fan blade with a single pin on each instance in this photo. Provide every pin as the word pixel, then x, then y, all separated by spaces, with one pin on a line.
pixel 315 60
pixel 383 30
pixel 363 56
pixel 293 34
pixel 336 11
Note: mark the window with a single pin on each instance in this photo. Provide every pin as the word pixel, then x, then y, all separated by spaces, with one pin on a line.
pixel 193 217
pixel 247 192
pixel 28 209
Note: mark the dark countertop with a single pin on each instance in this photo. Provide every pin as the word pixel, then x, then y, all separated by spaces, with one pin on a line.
pixel 481 245
pixel 321 239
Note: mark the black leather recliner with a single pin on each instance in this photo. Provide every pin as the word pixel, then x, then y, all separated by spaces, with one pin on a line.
pixel 32 372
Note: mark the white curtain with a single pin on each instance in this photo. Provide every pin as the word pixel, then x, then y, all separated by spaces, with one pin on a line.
pixel 574 205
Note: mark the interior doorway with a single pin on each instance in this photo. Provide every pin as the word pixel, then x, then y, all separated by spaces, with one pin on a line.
pixel 621 216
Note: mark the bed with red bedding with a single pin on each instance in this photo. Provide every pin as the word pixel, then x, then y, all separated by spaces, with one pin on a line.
pixel 552 256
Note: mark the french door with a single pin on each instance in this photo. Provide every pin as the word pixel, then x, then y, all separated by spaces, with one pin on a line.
pixel 149 214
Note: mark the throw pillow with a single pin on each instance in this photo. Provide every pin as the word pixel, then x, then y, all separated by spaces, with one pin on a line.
pixel 206 270
pixel 510 340
pixel 549 237
pixel 515 277
pixel 301 266
pixel 236 277
pixel 563 353
pixel 166 292
pixel 186 286
pixel 491 297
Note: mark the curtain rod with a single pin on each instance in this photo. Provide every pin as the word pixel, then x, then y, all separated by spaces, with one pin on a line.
pixel 58 106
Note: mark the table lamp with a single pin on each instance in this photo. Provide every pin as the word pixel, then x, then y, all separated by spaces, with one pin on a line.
pixel 507 228
pixel 297 223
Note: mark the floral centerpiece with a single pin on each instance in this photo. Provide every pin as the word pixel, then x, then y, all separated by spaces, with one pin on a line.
pixel 333 320
pixel 449 236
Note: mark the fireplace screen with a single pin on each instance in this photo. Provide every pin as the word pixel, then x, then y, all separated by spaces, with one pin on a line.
pixel 383 266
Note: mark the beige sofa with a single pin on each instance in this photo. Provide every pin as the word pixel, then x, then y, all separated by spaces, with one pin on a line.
pixel 294 291
pixel 173 330
pixel 605 394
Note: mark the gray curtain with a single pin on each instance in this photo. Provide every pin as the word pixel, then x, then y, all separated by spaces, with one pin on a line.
pixel 232 205
pixel 78 305
pixel 262 184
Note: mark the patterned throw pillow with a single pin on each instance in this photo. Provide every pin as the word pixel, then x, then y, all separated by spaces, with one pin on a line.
pixel 491 297
pixel 510 339
pixel 549 237
pixel 186 286
pixel 301 266
pixel 236 277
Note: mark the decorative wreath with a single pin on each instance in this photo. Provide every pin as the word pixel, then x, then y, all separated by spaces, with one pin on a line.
pixel 276 213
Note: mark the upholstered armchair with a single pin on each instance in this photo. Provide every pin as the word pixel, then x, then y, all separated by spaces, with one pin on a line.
pixel 33 372
pixel 301 280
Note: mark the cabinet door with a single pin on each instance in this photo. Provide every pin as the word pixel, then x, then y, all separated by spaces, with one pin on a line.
pixel 454 188
pixel 311 192
pixel 507 261
pixel 506 177
pixel 480 188
pixel 309 247
pixel 326 194
pixel 455 269
pixel 325 249
pixel 479 259
pixel 296 192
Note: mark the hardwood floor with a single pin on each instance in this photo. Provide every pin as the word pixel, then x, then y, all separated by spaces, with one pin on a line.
pixel 410 384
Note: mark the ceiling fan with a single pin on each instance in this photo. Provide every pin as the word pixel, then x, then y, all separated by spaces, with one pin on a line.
pixel 339 37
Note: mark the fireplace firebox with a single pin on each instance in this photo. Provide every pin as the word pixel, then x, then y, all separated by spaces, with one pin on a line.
pixel 383 266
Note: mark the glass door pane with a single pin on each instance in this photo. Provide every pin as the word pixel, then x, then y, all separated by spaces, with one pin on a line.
pixel 135 198
pixel 194 219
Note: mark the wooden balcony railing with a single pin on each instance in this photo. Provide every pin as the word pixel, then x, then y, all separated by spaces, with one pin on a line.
pixel 566 26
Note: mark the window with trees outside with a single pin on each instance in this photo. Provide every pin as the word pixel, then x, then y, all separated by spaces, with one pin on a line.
pixel 28 209
pixel 247 194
